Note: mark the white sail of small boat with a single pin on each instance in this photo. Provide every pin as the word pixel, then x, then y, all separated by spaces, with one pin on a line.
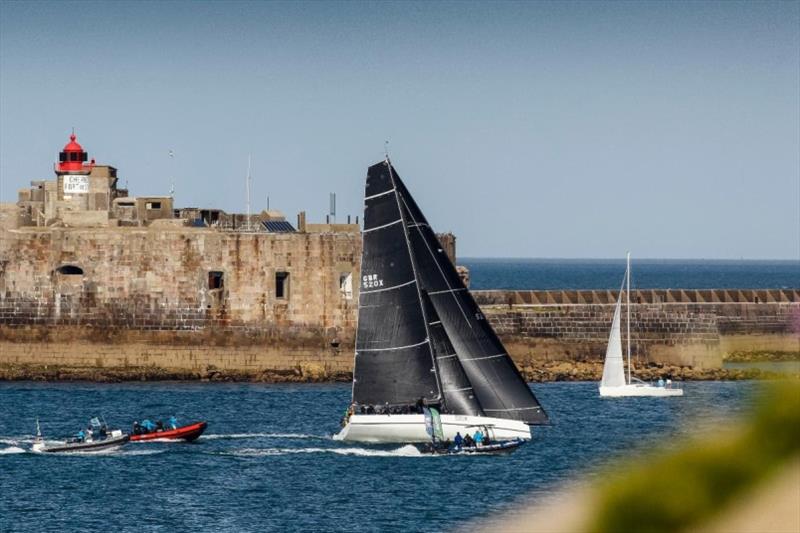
pixel 614 382
pixel 422 341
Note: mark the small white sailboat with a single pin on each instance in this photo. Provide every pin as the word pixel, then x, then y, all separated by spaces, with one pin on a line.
pixel 615 384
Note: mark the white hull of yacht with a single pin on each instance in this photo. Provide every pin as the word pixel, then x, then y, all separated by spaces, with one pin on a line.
pixel 411 428
pixel 641 389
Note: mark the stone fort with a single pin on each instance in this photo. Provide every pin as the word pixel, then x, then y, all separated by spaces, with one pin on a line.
pixel 92 277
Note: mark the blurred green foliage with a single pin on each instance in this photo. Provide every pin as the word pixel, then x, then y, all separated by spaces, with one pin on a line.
pixel 680 490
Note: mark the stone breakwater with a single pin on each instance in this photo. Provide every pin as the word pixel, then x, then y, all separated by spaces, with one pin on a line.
pixel 110 341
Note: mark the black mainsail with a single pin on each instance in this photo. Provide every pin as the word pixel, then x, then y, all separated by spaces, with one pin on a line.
pixel 496 381
pixel 394 362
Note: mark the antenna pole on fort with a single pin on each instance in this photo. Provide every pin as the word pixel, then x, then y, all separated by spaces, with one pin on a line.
pixel 333 208
pixel 172 172
pixel 247 186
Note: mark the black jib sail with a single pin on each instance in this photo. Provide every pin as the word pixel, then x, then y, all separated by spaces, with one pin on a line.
pixel 496 381
pixel 459 398
pixel 394 358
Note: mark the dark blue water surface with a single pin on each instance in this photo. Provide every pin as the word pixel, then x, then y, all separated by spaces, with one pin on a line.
pixel 268 462
pixel 646 274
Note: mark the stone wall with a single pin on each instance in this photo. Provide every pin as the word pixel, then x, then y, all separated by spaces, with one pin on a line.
pixel 161 277
pixel 198 300
pixel 664 329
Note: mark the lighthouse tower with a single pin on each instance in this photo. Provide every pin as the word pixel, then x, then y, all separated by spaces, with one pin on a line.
pixel 73 174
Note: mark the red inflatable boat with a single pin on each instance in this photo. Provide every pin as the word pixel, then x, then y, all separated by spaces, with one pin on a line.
pixel 187 433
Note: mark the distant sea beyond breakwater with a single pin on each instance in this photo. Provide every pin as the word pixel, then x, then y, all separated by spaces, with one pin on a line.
pixel 600 274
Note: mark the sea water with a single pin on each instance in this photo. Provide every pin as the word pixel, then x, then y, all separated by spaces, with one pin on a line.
pixel 570 274
pixel 268 463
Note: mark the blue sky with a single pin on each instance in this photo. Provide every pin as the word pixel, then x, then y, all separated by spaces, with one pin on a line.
pixel 529 129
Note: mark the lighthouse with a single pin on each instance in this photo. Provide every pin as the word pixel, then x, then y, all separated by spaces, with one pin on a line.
pixel 72 158
pixel 71 171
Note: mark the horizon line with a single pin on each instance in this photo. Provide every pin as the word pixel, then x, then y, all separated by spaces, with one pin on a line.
pixel 785 260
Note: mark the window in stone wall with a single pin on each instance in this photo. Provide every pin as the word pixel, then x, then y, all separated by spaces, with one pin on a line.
pixel 346 285
pixel 153 205
pixel 282 285
pixel 216 280
pixel 70 270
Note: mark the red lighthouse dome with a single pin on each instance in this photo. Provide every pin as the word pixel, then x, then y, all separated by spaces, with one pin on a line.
pixel 71 159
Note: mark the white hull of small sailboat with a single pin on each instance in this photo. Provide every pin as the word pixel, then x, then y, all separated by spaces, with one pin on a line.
pixel 411 428
pixel 639 390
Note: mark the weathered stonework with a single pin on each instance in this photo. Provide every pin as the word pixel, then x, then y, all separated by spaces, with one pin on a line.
pixel 194 302
pixel 697 328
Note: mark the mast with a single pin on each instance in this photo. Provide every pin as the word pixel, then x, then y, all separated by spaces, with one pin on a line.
pixel 628 307
pixel 247 187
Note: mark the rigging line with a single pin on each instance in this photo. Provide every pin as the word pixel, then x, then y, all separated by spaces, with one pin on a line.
pixel 436 262
pixel 392 348
pixel 383 226
pixel 388 288
pixel 384 193
pixel 450 356
pixel 416 277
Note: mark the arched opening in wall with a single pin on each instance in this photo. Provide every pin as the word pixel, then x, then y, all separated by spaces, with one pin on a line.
pixel 70 270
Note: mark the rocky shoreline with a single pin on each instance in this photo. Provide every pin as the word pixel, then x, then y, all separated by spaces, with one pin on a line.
pixel 542 372
pixel 763 356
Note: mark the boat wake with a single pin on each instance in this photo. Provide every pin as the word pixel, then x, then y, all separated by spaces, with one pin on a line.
pixel 262 435
pixel 404 451
pixel 167 441
pixel 13 441
pixel 113 452
pixel 11 450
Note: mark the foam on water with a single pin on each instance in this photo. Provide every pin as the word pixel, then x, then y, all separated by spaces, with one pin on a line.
pixel 262 435
pixel 404 451
pixel 167 441
pixel 11 449
pixel 19 439
pixel 110 452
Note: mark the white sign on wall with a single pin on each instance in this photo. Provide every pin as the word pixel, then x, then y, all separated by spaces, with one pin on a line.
pixel 76 184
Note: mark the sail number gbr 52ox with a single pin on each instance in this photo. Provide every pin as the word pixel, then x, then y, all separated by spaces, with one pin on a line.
pixel 422 340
